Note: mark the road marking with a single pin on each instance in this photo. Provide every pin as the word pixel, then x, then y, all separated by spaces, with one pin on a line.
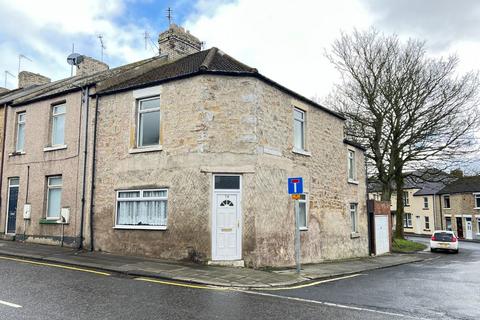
pixel 13 305
pixel 185 285
pixel 335 305
pixel 56 266
pixel 311 283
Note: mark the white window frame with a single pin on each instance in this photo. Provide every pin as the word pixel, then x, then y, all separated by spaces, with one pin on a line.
pixel 426 204
pixel 478 225
pixel 305 200
pixel 476 201
pixel 446 224
pixel 351 161
pixel 49 187
pixel 449 201
pixel 138 115
pixel 141 198
pixel 427 221
pixel 56 115
pixel 407 222
pixel 353 212
pixel 303 120
pixel 406 199
pixel 20 123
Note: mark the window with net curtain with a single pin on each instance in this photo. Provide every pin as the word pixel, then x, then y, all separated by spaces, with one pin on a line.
pixel 142 208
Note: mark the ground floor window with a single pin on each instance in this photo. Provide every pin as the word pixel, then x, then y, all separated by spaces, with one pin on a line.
pixel 427 223
pixel 353 216
pixel 448 223
pixel 478 225
pixel 142 209
pixel 302 204
pixel 407 220
pixel 54 197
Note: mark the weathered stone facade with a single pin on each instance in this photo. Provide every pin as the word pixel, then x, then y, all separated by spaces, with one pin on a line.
pixel 462 211
pixel 222 124
pixel 176 42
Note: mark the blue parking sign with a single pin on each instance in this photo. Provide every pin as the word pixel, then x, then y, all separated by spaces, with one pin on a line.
pixel 295 185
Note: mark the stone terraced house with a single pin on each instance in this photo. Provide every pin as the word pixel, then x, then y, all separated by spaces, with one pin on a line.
pixel 182 156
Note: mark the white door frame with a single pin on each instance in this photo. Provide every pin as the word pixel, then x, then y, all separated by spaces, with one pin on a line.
pixel 238 192
pixel 468 233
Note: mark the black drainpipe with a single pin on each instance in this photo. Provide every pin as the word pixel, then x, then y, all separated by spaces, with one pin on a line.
pixel 92 187
pixel 85 95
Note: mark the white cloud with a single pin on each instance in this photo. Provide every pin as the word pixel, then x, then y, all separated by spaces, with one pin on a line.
pixel 48 28
pixel 285 40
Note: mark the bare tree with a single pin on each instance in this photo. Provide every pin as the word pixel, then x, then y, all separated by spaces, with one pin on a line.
pixel 410 110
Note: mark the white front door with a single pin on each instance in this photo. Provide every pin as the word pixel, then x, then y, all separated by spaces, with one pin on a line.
pixel 381 235
pixel 226 219
pixel 468 234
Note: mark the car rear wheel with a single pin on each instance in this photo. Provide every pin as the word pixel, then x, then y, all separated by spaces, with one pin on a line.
pixel 432 250
pixel 455 251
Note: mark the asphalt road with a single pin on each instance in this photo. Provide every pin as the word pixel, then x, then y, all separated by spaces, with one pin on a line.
pixel 446 287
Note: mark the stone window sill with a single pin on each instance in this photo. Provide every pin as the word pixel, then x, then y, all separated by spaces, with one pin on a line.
pixel 51 221
pixel 55 148
pixel 352 181
pixel 16 153
pixel 302 152
pixel 354 235
pixel 146 149
pixel 303 229
pixel 120 227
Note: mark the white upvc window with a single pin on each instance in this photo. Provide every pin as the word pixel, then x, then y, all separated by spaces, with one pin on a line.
pixel 148 122
pixel 477 201
pixel 20 138
pixel 427 223
pixel 478 225
pixel 299 122
pixel 446 202
pixel 58 125
pixel 352 170
pixel 54 197
pixel 142 209
pixel 354 217
pixel 448 223
pixel 425 202
pixel 406 199
pixel 303 213
pixel 407 220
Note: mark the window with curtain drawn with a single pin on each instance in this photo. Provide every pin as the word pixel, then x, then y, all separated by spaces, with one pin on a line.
pixel 143 209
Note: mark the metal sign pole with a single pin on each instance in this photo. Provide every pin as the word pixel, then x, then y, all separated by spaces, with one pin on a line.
pixel 297 235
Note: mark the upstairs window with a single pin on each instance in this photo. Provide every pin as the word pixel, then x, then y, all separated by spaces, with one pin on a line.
pixel 425 202
pixel 20 139
pixel 446 202
pixel 148 122
pixel 406 200
pixel 54 197
pixel 299 129
pixel 351 166
pixel 477 203
pixel 58 125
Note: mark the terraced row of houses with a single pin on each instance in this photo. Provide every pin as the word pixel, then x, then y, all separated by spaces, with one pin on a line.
pixel 184 155
pixel 451 203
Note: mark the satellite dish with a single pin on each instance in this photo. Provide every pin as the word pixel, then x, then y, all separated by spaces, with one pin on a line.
pixel 75 59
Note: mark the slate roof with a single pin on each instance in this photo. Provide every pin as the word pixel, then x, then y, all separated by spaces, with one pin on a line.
pixel 463 185
pixel 150 72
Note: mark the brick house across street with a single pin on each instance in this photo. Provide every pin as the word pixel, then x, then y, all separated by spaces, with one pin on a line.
pixel 181 156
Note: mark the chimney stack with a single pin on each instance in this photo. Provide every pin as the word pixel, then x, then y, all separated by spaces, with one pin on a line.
pixel 90 66
pixel 176 42
pixel 3 90
pixel 28 79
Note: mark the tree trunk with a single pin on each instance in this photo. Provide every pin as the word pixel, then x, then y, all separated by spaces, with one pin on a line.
pixel 400 209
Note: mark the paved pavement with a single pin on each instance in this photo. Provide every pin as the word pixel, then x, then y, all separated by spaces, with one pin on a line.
pixel 201 274
pixel 445 287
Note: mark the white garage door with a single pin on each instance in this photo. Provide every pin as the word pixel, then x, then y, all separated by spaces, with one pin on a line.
pixel 381 234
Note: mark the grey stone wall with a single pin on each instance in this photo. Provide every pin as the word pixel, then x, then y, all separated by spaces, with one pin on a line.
pixel 176 42
pixel 90 65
